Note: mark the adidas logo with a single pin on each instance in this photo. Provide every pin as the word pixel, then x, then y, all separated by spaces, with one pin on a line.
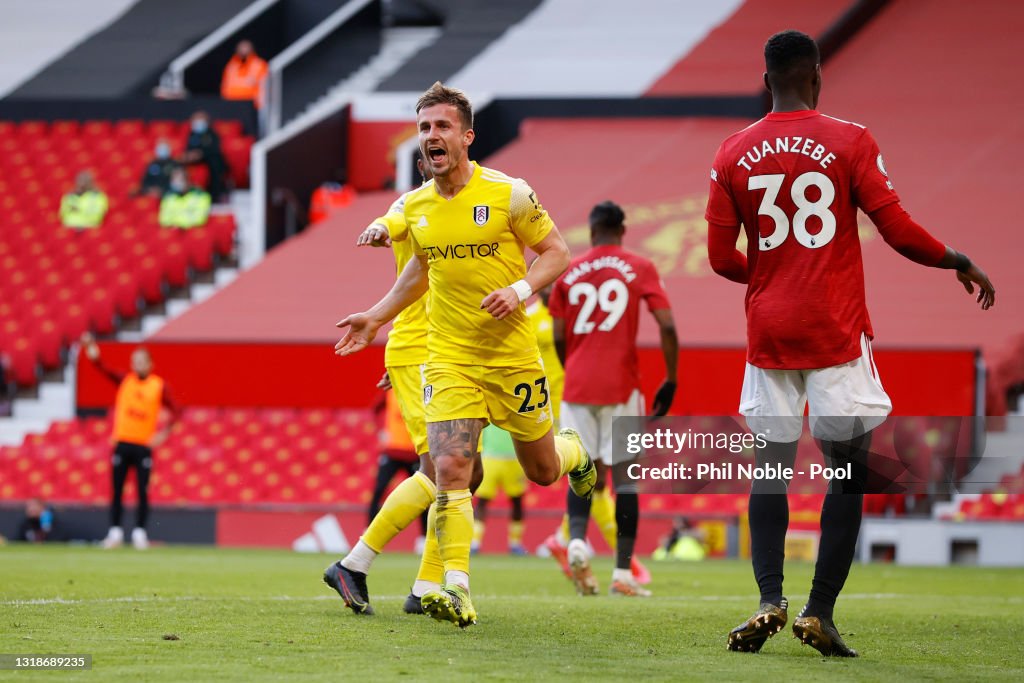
pixel 326 537
pixel 423 222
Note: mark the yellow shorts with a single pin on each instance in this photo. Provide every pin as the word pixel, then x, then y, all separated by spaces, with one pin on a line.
pixel 515 399
pixel 504 474
pixel 407 383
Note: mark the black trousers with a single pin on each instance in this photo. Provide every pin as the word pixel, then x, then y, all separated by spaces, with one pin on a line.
pixel 127 456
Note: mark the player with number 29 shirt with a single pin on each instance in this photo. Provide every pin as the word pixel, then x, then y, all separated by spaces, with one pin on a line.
pixel 595 307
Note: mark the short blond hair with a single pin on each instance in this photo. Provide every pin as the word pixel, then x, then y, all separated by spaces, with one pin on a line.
pixel 442 94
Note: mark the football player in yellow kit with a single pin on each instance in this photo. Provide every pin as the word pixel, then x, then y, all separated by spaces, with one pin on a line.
pixel 469 227
pixel 404 356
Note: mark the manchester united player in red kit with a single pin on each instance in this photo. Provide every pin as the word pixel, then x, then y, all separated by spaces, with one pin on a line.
pixel 596 310
pixel 795 180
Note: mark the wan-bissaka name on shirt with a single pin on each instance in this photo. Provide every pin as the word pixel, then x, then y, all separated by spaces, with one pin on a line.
pixel 615 262
pixel 793 144
pixel 460 251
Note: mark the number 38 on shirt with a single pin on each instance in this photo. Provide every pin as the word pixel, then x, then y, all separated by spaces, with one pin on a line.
pixel 800 191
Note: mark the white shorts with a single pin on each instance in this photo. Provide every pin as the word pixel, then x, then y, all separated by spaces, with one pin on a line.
pixel 845 400
pixel 594 424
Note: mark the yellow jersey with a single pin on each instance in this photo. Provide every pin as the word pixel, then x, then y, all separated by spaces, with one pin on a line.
pixel 540 320
pixel 407 341
pixel 474 245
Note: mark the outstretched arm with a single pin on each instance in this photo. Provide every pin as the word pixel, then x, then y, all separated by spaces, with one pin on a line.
pixel 92 352
pixel 375 235
pixel 410 286
pixel 911 240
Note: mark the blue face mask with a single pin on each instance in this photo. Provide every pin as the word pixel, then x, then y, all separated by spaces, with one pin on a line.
pixel 199 126
pixel 178 186
pixel 163 151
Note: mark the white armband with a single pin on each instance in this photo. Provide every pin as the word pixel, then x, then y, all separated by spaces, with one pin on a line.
pixel 522 289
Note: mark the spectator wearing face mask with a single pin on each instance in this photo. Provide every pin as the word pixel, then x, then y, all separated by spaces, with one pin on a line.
pixel 203 147
pixel 156 178
pixel 184 206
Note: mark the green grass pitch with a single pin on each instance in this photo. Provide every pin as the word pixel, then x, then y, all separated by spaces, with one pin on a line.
pixel 199 614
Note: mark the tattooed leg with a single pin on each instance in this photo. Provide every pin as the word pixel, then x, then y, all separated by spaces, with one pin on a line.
pixel 453 445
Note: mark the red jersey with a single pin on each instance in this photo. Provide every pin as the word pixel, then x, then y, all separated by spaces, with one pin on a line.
pixel 599 297
pixel 795 181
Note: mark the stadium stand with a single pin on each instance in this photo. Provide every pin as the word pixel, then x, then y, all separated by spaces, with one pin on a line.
pixel 126 57
pixel 35 33
pixel 729 60
pixel 607 48
pixel 469 27
pixel 127 263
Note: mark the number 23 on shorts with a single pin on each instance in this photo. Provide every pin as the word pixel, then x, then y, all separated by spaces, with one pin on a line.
pixel 524 391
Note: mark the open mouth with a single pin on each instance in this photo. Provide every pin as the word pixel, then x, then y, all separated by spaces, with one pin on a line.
pixel 436 154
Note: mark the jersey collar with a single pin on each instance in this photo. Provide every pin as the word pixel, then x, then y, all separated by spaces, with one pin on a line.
pixel 791 115
pixel 472 179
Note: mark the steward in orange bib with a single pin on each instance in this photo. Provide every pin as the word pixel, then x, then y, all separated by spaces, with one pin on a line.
pixel 141 399
pixel 243 76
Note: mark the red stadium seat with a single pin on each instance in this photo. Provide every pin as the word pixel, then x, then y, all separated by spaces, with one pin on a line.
pixel 130 128
pixel 101 309
pixel 223 229
pixel 32 129
pixel 199 245
pixel 227 129
pixel 24 367
pixel 175 263
pixel 236 154
pixel 150 278
pixel 165 129
pixel 97 129
pixel 65 129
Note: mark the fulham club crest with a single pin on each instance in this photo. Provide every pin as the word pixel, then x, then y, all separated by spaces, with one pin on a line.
pixel 481 214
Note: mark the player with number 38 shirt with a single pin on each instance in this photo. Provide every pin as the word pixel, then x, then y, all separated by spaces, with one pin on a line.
pixel 818 170
pixel 795 180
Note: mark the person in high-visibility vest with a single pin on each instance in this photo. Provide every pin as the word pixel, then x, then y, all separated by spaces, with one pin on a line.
pixel 85 206
pixel 142 399
pixel 184 206
pixel 244 75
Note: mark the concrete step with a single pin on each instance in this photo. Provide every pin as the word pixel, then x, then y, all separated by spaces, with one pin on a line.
pixel 54 402
pixel 1003 454
pixel 225 276
pixel 14 430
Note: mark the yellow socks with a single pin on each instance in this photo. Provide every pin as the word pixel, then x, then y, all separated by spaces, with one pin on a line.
pixel 407 502
pixel 515 533
pixel 478 532
pixel 431 573
pixel 602 509
pixel 454 527
pixel 570 455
